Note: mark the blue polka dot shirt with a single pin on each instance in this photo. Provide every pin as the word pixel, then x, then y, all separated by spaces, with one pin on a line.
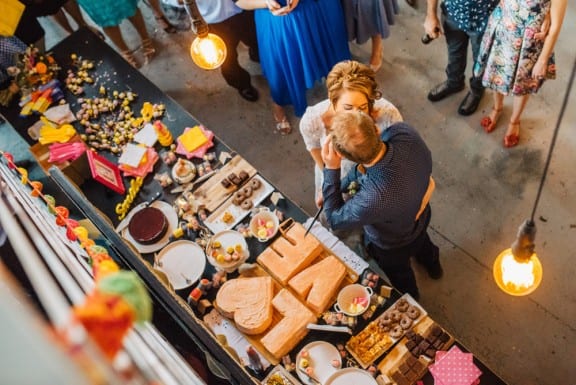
pixel 470 15
pixel 389 194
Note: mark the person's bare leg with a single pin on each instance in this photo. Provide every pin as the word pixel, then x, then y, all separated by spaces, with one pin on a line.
pixel 147 45
pixel 489 122
pixel 159 16
pixel 282 124
pixel 513 132
pixel 115 35
pixel 71 7
pixel 376 56
pixel 62 21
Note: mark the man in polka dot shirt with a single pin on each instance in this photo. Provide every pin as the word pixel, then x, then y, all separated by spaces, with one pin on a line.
pixel 462 21
pixel 391 202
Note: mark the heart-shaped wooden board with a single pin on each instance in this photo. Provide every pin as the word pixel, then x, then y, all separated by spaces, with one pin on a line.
pixel 248 301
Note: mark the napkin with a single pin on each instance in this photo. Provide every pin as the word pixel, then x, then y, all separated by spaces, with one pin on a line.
pixel 144 168
pixel 454 367
pixel 198 152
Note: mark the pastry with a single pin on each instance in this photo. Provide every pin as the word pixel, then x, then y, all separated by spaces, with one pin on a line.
pixel 319 283
pixel 183 171
pixel 247 191
pixel 148 225
pixel 243 175
pixel 255 183
pixel 247 204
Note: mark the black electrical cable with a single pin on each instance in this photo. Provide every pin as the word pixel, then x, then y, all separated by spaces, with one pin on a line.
pixel 553 142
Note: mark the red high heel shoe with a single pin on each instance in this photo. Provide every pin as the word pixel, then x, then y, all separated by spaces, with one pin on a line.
pixel 489 122
pixel 512 140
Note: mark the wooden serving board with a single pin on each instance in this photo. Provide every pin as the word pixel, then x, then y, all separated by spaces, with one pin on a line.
pixel 215 222
pixel 212 193
pixel 396 356
pixel 255 340
pixel 387 341
pixel 350 276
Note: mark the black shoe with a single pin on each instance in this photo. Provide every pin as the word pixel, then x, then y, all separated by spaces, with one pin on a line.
pixel 470 103
pixel 250 93
pixel 435 271
pixel 442 90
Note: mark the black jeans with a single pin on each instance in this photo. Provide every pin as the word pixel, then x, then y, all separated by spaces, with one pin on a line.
pixel 236 29
pixel 396 262
pixel 457 43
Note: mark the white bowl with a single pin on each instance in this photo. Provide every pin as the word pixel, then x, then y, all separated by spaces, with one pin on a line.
pixel 227 238
pixel 264 225
pixel 353 299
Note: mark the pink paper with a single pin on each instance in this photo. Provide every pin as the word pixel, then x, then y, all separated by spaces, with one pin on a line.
pixel 200 151
pixel 143 169
pixel 454 368
pixel 60 152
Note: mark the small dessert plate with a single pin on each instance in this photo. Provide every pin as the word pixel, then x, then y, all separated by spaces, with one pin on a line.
pixel 171 217
pixel 226 239
pixel 183 262
pixel 321 357
pixel 349 376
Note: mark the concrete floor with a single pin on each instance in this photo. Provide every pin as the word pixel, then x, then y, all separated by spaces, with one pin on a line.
pixel 484 192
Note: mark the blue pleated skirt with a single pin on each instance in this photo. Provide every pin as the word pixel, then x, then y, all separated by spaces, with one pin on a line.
pixel 300 48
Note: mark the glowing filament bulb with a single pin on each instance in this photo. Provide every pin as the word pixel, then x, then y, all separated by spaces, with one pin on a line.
pixel 208 52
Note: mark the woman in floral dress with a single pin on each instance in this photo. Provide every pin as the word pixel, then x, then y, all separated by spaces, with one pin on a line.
pixel 516 56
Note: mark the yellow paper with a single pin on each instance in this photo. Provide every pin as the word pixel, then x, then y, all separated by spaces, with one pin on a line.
pixel 193 138
pixel 10 14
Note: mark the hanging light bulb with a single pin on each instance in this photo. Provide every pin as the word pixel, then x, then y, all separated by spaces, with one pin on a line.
pixel 517 270
pixel 208 51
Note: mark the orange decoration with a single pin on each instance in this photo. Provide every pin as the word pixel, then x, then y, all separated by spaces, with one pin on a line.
pixel 36 188
pixel 107 319
pixel 61 215
pixel 86 244
pixel 41 68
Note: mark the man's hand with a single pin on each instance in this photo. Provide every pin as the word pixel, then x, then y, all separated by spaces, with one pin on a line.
pixel 330 156
pixel 432 26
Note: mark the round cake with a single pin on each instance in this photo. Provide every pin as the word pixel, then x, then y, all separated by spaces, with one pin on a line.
pixel 148 225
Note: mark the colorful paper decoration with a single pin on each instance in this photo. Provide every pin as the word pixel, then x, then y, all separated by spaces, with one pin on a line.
pixel 105 172
pixel 200 151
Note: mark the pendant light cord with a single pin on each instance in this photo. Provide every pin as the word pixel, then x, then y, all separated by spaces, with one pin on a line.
pixel 553 142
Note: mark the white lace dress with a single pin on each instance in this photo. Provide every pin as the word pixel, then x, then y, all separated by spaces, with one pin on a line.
pixel 313 130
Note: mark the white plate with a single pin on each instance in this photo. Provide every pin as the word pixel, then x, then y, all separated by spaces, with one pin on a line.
pixel 320 355
pixel 349 376
pixel 228 238
pixel 215 223
pixel 172 218
pixel 183 262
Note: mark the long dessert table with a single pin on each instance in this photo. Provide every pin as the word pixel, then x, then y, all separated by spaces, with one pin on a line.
pixel 394 340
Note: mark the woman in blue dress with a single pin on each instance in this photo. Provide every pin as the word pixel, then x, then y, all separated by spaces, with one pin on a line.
pixel 300 41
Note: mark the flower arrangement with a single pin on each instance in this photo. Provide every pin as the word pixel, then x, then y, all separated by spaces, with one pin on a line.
pixel 33 69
